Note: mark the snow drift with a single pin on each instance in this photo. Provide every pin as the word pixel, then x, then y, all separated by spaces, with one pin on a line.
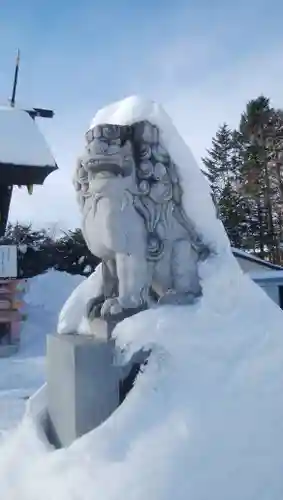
pixel 205 419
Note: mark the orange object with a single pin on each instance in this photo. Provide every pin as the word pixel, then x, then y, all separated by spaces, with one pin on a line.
pixel 11 293
pixel 16 304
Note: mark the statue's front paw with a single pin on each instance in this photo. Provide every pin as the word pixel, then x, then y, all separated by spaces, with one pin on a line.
pixel 94 306
pixel 111 308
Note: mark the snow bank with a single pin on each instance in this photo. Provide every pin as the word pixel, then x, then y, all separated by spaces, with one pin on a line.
pixel 49 291
pixel 46 296
pixel 21 141
pixel 205 420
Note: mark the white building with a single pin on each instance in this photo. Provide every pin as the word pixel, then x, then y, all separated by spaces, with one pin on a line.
pixel 267 275
pixel 251 264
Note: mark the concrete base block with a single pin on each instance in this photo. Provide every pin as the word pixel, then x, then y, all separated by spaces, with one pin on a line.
pixel 82 385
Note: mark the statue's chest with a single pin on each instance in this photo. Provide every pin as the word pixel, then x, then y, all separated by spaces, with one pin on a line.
pixel 95 230
pixel 112 226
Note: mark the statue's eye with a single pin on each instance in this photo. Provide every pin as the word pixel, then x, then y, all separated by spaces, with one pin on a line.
pixel 111 131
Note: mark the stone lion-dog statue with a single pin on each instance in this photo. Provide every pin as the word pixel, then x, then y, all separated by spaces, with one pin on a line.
pixel 133 219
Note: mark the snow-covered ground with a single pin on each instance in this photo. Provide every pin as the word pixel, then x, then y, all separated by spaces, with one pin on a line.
pixel 205 419
pixel 22 374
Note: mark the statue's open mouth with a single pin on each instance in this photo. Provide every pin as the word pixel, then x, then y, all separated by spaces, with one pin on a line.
pixel 105 164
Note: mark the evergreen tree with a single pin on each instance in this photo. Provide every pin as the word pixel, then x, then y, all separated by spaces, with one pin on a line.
pixel 259 131
pixel 222 170
pixel 73 256
pixel 218 161
pixel 245 171
pixel 38 251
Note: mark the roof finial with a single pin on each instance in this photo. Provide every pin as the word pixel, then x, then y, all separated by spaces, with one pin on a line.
pixel 13 99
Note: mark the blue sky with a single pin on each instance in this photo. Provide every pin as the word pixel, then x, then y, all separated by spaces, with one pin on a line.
pixel 202 60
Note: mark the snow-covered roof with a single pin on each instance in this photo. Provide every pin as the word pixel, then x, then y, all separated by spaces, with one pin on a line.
pixel 21 142
pixel 245 255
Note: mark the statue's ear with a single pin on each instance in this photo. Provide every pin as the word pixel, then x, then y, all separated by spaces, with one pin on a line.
pixel 145 132
pixel 89 136
pixel 126 133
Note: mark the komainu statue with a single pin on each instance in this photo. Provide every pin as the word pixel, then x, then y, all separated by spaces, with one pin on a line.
pixel 133 219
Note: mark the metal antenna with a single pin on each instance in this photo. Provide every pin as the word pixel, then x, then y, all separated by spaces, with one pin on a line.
pixel 34 112
pixel 15 82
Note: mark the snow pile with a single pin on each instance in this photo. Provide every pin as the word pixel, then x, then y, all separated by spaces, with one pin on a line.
pixel 21 141
pixel 22 374
pixel 47 293
pixel 205 419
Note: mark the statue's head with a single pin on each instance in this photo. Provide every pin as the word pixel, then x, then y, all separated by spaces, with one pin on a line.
pixel 109 152
pixel 130 157
pixel 124 151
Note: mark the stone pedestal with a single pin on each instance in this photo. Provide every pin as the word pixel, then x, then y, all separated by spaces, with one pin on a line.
pixel 82 385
